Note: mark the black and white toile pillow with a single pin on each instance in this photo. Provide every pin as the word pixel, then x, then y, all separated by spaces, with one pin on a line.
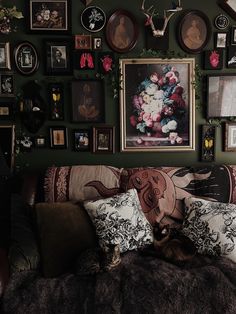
pixel 211 226
pixel 120 220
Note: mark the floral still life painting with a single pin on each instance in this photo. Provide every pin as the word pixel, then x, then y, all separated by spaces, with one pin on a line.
pixel 157 104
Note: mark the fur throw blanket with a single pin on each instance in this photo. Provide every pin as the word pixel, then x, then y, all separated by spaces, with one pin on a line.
pixel 141 283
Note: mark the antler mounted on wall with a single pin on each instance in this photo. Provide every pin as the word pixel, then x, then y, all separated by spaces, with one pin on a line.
pixel 151 12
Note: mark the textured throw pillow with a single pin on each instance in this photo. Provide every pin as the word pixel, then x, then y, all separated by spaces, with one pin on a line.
pixel 211 226
pixel 120 220
pixel 65 230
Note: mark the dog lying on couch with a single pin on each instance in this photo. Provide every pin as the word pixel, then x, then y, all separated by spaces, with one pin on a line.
pixel 86 210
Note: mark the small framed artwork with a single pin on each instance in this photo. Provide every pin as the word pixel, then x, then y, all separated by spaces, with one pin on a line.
pixel 208 143
pixel 221 95
pixel 81 140
pixel 213 59
pixel 5 60
pixel 84 60
pixel 233 35
pixel 122 31
pixel 88 102
pixel 40 141
pixel 231 57
pixel 220 40
pixel 26 58
pixel 83 42
pixel 58 137
pixel 194 31
pixel 97 43
pixel 93 19
pixel 6 111
pixel 58 56
pixel 221 21
pixel 106 62
pixel 56 101
pixel 230 137
pixel 7 87
pixel 49 16
pixel 104 139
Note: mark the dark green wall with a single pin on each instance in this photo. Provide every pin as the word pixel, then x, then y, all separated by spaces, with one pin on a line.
pixel 40 158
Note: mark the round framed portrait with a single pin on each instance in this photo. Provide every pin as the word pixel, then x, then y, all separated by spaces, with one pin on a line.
pixel 26 58
pixel 194 31
pixel 93 19
pixel 221 21
pixel 121 31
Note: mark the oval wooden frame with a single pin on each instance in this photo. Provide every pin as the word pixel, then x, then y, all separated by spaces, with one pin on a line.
pixel 189 16
pixel 110 29
pixel 29 70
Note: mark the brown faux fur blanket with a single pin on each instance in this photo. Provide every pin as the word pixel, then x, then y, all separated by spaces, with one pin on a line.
pixel 139 284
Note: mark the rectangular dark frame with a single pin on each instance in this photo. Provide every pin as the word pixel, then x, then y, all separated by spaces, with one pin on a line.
pixel 230 137
pixel 221 39
pixel 88 102
pixel 5 60
pixel 7 143
pixel 56 101
pixel 83 42
pixel 7 84
pixel 62 48
pixel 221 95
pixel 6 110
pixel 57 16
pixel 58 137
pixel 104 139
pixel 231 10
pixel 233 35
pixel 81 140
pixel 208 142
pixel 40 141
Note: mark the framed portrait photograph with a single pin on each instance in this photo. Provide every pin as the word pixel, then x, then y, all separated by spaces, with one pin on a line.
pixel 221 40
pixel 56 101
pixel 97 43
pixel 5 60
pixel 221 95
pixel 230 137
pixel 88 102
pixel 7 84
pixel 58 137
pixel 104 139
pixel 84 60
pixel 81 140
pixel 157 100
pixel 208 143
pixel 229 6
pixel 83 42
pixel 122 31
pixel 194 31
pixel 26 58
pixel 6 110
pixel 53 16
pixel 7 144
pixel 58 56
pixel 40 141
pixel 213 59
pixel 93 18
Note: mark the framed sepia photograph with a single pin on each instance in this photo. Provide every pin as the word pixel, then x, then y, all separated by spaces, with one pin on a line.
pixel 122 31
pixel 208 143
pixel 221 40
pixel 88 101
pixel 157 100
pixel 221 95
pixel 81 140
pixel 194 31
pixel 5 60
pixel 104 139
pixel 48 17
pixel 58 137
pixel 7 84
pixel 26 58
pixel 58 57
pixel 6 110
pixel 230 137
pixel 83 42
pixel 56 101
pixel 97 43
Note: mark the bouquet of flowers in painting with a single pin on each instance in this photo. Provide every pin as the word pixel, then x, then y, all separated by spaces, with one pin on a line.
pixel 159 108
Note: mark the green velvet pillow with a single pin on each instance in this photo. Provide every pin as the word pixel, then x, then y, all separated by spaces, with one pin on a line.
pixel 65 230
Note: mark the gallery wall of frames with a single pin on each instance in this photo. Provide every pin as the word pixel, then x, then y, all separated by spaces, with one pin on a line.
pixel 93 82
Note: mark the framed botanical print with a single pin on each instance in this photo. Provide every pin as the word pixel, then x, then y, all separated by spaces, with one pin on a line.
pixel 230 137
pixel 56 101
pixel 88 102
pixel 58 56
pixel 104 139
pixel 58 137
pixel 26 58
pixel 5 60
pixel 81 140
pixel 53 16
pixel 7 84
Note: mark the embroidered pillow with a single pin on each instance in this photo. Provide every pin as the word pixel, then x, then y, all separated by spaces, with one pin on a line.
pixel 211 226
pixel 120 220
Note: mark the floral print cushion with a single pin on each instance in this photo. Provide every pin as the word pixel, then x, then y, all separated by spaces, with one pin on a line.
pixel 211 226
pixel 120 220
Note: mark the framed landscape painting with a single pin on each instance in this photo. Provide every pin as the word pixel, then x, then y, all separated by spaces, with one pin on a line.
pixel 157 105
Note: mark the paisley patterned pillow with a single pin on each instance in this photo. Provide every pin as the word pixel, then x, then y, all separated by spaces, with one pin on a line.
pixel 120 220
pixel 211 226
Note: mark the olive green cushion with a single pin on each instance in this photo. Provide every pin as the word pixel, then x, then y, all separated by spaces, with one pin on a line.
pixel 64 230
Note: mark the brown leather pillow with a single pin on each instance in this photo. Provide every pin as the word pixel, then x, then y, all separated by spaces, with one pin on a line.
pixel 64 230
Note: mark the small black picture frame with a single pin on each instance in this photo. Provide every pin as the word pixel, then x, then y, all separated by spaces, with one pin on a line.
pixel 7 84
pixel 84 60
pixel 83 42
pixel 208 143
pixel 231 57
pixel 40 141
pixel 58 56
pixel 213 59
pixel 56 101
pixel 81 140
pixel 58 137
pixel 6 110
pixel 221 40
pixel 97 43
pixel 5 59
pixel 104 139
pixel 26 58
pixel 233 35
